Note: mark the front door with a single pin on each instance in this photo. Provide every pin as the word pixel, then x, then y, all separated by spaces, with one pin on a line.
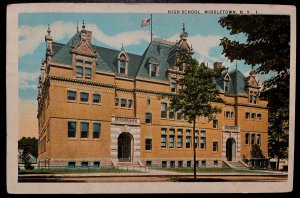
pixel 124 147
pixel 230 149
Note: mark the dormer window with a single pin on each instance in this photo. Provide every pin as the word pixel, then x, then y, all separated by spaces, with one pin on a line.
pixel 153 70
pixel 182 67
pixel 173 85
pixel 253 97
pixel 122 66
pixel 84 68
pixel 226 83
pixel 226 86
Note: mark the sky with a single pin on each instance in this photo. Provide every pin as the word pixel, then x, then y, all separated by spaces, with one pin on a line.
pixel 110 30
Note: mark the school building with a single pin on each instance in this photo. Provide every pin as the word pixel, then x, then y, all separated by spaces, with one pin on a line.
pixel 103 107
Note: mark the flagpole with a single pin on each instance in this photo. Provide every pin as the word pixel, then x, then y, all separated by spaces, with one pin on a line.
pixel 151 25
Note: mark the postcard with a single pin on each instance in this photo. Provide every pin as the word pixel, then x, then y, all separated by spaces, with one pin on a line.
pixel 150 98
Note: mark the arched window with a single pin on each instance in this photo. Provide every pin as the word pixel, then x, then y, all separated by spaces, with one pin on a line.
pixel 123 60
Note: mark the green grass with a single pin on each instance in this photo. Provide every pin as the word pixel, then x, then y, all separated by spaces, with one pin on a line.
pixel 205 170
pixel 74 171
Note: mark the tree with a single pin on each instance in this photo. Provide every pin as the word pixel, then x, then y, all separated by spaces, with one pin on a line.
pixel 29 145
pixel 267 49
pixel 198 93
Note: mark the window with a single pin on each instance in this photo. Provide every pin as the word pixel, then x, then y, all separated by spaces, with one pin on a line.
pixel 226 85
pixel 197 163
pixel 84 129
pixel 84 164
pixel 163 131
pixel 71 95
pixel 148 144
pixel 196 142
pixel 148 118
pixel 231 114
pixel 247 138
pixel 258 139
pixel 188 142
pixel 123 102
pixel 182 67
pixel 172 164
pixel 179 114
pixel 227 114
pixel 71 129
pixel 252 97
pixel 180 87
pixel 130 102
pixel 96 164
pixel 248 115
pixel 122 66
pixel 116 101
pixel 188 132
pixel 189 164
pixel 153 70
pixel 173 85
pixel 171 141
pixel 180 163
pixel 171 114
pixel 164 164
pixel 253 115
pixel 96 98
pixel 259 116
pixel 84 97
pixel 79 71
pixel 148 163
pixel 163 141
pixel 96 130
pixel 203 163
pixel 203 139
pixel 215 146
pixel 215 124
pixel 252 138
pixel 179 131
pixel 88 72
pixel 179 141
pixel 172 131
pixel 163 110
pixel 71 164
pixel 215 162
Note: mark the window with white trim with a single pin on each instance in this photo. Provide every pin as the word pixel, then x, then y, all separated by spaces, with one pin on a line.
pixel 96 98
pixel 71 95
pixel 84 127
pixel 84 96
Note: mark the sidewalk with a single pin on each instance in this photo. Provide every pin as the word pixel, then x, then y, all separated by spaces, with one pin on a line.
pixel 155 172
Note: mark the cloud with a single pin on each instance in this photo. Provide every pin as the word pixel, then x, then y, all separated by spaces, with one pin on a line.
pixel 127 38
pixel 30 37
pixel 28 80
pixel 201 46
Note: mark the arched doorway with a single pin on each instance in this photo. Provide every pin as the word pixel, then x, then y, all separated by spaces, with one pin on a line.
pixel 125 142
pixel 230 149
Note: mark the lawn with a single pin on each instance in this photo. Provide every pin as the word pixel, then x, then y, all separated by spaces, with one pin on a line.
pixel 206 170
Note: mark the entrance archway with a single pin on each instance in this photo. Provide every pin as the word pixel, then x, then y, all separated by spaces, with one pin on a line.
pixel 125 142
pixel 230 149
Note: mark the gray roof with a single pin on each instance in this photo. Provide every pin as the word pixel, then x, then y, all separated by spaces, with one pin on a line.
pixel 63 55
pixel 161 53
pixel 237 83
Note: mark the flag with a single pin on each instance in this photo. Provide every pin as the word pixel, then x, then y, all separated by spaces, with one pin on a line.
pixel 145 22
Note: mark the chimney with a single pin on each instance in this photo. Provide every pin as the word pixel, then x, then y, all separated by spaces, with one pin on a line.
pixel 217 65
